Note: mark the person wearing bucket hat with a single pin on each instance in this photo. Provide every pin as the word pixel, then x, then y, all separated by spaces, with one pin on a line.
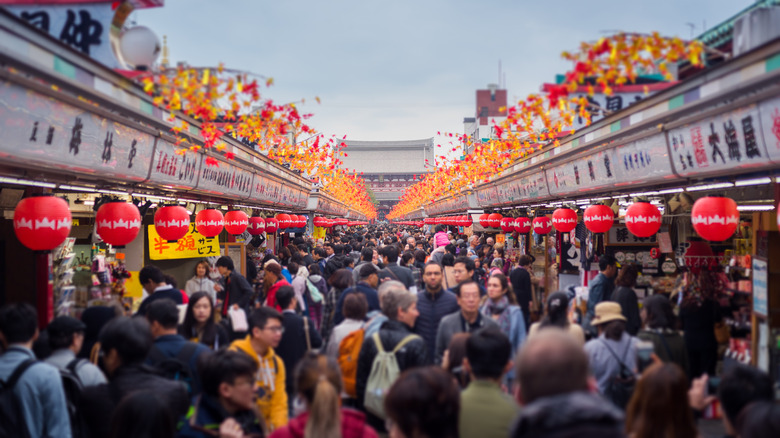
pixel 613 345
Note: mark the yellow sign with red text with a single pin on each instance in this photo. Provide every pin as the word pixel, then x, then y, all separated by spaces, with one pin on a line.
pixel 192 245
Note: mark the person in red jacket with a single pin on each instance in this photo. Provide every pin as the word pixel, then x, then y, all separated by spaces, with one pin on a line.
pixel 272 281
pixel 318 380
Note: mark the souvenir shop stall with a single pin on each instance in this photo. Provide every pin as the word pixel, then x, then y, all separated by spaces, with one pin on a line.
pixel 93 185
pixel 683 184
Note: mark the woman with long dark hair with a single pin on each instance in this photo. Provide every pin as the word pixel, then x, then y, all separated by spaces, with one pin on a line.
pixel 625 296
pixel 339 281
pixel 199 324
pixel 557 315
pixel 659 406
pixel 423 403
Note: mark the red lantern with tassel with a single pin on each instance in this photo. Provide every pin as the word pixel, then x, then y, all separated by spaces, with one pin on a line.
pixel 542 225
pixel 507 224
pixel 598 218
pixel 271 225
pixel 172 222
pixel 236 222
pixel 643 219
pixel 209 222
pixel 42 223
pixel 256 225
pixel 494 220
pixel 564 219
pixel 522 225
pixel 715 218
pixel 118 222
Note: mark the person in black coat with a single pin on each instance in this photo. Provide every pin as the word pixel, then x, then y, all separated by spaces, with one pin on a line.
pixel 293 344
pixel 521 286
pixel 125 343
pixel 625 296
pixel 153 281
pixel 433 304
pixel 400 307
pixel 393 270
pixel 237 291
pixel 369 280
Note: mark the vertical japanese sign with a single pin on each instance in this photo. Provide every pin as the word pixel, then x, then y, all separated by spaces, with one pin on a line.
pixel 192 245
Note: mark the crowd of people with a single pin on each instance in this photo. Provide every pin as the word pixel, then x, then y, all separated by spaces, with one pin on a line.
pixel 379 331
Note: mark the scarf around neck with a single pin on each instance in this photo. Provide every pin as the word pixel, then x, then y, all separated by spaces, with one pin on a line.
pixel 499 308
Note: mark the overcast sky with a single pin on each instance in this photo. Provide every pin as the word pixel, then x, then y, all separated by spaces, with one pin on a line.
pixel 402 70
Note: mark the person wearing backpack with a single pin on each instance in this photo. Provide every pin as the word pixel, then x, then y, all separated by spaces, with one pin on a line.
pixel 124 345
pixel 612 354
pixel 298 337
pixel 32 400
pixel 387 353
pixel 66 335
pixel 171 354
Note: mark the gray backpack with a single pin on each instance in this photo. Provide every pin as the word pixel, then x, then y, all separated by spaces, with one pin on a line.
pixel 384 371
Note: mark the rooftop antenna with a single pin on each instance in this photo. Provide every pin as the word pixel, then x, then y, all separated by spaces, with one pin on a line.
pixel 499 73
pixel 692 26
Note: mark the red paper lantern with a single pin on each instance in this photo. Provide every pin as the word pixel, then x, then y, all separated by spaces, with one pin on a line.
pixel 494 220
pixel 598 218
pixel 302 221
pixel 172 222
pixel 643 219
pixel 542 225
pixel 715 218
pixel 236 222
pixel 522 225
pixel 209 222
pixel 118 223
pixel 428 221
pixel 271 225
pixel 256 225
pixel 467 222
pixel 564 219
pixel 283 220
pixel 42 223
pixel 507 224
pixel 319 221
pixel 483 220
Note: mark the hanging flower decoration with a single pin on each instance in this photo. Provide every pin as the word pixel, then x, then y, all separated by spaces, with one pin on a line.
pixel 229 102
pixel 540 119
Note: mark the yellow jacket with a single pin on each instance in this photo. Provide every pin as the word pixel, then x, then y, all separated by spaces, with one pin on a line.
pixel 270 378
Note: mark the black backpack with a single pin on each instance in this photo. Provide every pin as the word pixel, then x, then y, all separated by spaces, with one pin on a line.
pixel 175 368
pixel 73 387
pixel 620 387
pixel 12 422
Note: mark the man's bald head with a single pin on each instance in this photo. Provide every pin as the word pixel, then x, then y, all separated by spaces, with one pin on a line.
pixel 550 363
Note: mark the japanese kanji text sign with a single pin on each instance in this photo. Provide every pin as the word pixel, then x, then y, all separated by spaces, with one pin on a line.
pixel 192 245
